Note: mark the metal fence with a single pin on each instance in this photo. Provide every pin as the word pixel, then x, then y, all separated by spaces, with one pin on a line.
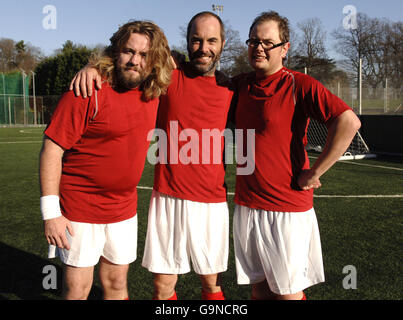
pixel 26 110
pixel 374 100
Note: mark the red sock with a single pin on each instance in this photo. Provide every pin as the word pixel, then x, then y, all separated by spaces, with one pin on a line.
pixel 213 295
pixel 126 298
pixel 252 297
pixel 174 297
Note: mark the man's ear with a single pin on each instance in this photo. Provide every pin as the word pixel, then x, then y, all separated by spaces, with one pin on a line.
pixel 284 50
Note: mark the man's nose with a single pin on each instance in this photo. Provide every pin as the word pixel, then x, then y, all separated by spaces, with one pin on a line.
pixel 203 46
pixel 135 59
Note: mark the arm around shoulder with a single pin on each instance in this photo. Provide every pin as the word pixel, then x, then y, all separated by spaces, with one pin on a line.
pixel 83 81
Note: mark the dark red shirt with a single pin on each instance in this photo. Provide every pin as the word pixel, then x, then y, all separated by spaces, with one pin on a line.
pixel 278 108
pixel 191 105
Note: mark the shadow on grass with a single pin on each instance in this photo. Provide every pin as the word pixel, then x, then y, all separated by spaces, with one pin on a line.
pixel 389 158
pixel 21 276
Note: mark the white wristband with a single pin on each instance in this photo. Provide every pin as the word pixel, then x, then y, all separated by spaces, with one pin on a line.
pixel 50 207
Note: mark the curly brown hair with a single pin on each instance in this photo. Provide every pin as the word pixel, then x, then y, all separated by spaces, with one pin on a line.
pixel 158 57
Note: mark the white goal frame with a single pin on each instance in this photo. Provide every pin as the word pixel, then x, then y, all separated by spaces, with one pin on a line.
pixel 316 136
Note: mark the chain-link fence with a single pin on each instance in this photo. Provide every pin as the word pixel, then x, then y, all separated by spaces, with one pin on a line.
pixel 20 110
pixel 19 104
pixel 374 100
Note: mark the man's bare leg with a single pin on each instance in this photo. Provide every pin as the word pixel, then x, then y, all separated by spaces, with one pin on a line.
pixel 114 280
pixel 210 283
pixel 77 282
pixel 164 286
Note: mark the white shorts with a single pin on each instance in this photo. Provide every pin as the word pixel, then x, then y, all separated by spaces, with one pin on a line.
pixel 116 242
pixel 282 247
pixel 180 231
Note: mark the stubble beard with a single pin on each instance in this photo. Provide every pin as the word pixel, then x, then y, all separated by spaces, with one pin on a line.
pixel 200 68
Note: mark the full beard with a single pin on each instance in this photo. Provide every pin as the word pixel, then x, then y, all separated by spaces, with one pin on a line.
pixel 127 80
pixel 203 68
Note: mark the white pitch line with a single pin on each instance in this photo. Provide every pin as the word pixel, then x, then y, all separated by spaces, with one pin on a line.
pixel 145 188
pixel 360 196
pixel 327 196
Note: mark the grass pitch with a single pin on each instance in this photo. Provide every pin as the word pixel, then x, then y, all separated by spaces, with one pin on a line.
pixel 359 209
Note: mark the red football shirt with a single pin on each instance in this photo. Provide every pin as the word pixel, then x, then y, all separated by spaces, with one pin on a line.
pixel 105 152
pixel 191 107
pixel 278 108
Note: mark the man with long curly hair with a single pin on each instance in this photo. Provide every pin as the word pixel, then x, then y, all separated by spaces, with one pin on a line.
pixel 92 159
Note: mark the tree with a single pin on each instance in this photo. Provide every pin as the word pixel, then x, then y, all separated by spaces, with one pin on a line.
pixel 308 52
pixel 54 73
pixel 311 44
pixel 378 43
pixel 240 64
pixel 18 55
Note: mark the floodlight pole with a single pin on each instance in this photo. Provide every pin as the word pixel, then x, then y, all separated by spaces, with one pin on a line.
pixel 23 95
pixel 4 97
pixel 33 90
pixel 385 103
pixel 360 89
pixel 218 9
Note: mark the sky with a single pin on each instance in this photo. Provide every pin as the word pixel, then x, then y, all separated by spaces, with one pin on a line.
pixel 92 22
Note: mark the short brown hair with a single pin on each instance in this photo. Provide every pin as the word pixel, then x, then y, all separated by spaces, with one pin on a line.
pixel 205 14
pixel 283 25
pixel 158 57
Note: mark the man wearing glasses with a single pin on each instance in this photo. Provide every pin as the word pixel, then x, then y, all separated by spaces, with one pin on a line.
pixel 276 235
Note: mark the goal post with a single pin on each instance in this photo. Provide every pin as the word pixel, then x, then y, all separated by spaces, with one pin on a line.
pixel 316 136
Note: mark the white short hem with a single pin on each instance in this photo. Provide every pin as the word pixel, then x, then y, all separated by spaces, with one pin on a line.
pixel 116 242
pixel 292 264
pixel 184 235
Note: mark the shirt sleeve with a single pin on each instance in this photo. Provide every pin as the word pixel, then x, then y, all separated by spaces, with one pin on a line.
pixel 69 120
pixel 319 103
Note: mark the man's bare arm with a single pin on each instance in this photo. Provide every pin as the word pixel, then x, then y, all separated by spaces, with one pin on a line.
pixel 50 169
pixel 340 134
pixel 84 79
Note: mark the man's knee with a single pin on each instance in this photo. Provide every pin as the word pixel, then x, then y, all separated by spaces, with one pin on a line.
pixel 74 289
pixel 164 286
pixel 113 276
pixel 114 281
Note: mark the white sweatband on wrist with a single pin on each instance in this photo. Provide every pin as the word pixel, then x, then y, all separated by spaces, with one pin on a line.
pixel 50 207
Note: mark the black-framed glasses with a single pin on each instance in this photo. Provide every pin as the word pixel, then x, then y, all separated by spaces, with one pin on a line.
pixel 266 44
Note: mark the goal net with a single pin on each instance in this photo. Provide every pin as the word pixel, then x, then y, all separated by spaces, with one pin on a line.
pixel 317 133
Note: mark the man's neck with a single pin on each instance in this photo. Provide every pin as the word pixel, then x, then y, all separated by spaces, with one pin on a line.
pixel 193 73
pixel 267 73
